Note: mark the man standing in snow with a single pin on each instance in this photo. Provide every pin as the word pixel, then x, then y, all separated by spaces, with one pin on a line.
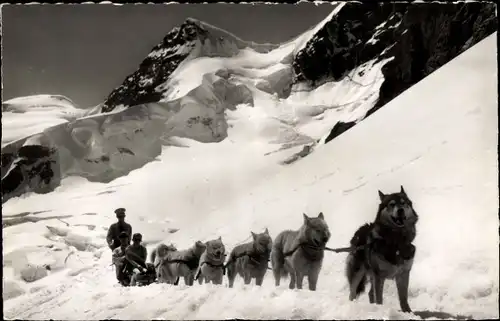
pixel 122 267
pixel 116 228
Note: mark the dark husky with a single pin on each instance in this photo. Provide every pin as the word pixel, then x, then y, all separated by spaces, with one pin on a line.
pixel 384 250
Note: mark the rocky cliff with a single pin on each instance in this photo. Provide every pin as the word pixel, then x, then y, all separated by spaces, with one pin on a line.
pixel 421 37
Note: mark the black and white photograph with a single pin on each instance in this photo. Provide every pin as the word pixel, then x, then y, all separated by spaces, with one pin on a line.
pixel 257 161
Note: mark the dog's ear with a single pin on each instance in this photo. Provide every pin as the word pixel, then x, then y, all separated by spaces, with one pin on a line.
pixel 266 231
pixel 254 236
pixel 220 238
pixel 381 195
pixel 321 216
pixel 306 218
pixel 402 190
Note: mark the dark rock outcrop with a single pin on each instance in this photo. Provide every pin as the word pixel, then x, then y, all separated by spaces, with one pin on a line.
pixel 33 169
pixel 338 129
pixel 7 159
pixel 420 37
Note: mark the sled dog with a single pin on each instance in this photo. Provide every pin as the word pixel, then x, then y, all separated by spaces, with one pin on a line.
pixel 300 253
pixel 211 268
pixel 384 250
pixel 184 263
pixel 157 257
pixel 250 260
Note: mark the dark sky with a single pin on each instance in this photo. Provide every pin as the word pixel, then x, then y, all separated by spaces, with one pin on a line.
pixel 84 51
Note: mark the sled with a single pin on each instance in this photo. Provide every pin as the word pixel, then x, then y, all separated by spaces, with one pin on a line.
pixel 145 277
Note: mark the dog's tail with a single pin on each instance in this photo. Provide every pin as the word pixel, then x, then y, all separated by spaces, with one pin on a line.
pixel 356 259
pixel 354 266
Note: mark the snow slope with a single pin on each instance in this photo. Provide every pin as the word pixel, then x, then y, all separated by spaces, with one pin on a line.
pixel 438 139
pixel 25 116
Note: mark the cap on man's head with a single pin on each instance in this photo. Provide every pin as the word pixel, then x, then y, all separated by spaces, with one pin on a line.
pixel 137 237
pixel 123 235
pixel 120 211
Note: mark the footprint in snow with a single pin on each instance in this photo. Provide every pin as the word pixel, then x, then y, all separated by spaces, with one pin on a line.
pixel 98 296
pixel 119 306
pixel 105 192
pixel 160 312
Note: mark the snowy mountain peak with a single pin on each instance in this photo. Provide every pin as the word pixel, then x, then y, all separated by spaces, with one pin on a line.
pixel 192 39
pixel 164 58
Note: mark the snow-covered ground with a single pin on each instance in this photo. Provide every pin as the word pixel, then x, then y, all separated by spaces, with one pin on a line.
pixel 25 116
pixel 438 139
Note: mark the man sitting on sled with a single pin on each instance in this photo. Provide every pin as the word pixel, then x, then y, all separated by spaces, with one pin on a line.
pixel 136 254
pixel 130 262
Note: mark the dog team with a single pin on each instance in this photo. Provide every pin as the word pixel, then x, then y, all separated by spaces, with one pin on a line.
pixel 378 251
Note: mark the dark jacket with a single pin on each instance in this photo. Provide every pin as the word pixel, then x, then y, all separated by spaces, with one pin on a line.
pixel 137 254
pixel 114 230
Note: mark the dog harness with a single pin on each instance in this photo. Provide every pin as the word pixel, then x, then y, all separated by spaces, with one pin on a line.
pixel 395 252
pixel 304 246
pixel 192 263
pixel 218 265
pixel 253 257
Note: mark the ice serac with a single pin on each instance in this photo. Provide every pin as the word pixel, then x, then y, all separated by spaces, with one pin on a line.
pixel 191 40
pixel 33 168
pixel 420 38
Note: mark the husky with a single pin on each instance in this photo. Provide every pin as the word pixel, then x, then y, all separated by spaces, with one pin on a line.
pixel 384 250
pixel 157 257
pixel 176 264
pixel 250 260
pixel 300 253
pixel 211 268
